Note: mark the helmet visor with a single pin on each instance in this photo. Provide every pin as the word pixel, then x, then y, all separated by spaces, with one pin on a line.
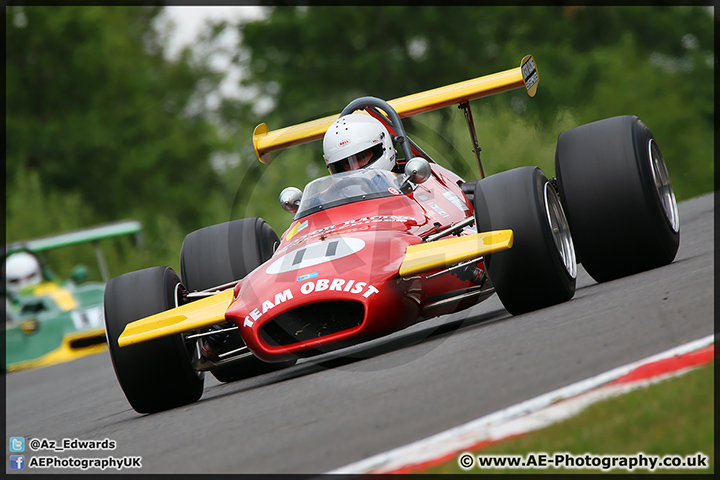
pixel 358 160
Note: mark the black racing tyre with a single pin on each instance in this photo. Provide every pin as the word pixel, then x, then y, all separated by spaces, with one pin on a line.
pixel 225 252
pixel 617 195
pixel 155 375
pixel 539 269
pixel 220 254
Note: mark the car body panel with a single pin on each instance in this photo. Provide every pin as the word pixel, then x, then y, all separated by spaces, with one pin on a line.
pixel 366 255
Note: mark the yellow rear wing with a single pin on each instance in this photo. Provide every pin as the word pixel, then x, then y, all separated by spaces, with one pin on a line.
pixel 525 75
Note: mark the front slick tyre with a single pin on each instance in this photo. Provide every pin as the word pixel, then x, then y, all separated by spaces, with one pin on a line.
pixel 539 269
pixel 155 375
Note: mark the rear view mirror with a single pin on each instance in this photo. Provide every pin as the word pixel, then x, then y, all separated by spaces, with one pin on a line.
pixel 417 171
pixel 290 199
pixel 79 273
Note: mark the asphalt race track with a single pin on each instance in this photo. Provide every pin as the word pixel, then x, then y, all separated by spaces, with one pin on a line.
pixel 329 411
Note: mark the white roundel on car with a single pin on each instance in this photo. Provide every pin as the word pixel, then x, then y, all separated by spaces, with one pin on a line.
pixel 315 254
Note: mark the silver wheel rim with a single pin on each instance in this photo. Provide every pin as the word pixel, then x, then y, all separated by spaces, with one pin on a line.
pixel 663 187
pixel 560 230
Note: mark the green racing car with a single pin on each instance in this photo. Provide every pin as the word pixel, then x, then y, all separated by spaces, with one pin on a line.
pixel 51 320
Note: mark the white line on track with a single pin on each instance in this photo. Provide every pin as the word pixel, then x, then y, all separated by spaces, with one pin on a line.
pixel 512 420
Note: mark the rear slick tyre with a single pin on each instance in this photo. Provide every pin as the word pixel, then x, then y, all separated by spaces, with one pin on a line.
pixel 155 375
pixel 616 192
pixel 225 252
pixel 220 254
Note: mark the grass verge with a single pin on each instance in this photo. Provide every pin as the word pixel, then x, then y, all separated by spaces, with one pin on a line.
pixel 673 417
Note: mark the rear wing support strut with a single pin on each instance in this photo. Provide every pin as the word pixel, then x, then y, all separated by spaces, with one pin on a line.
pixel 473 135
pixel 101 261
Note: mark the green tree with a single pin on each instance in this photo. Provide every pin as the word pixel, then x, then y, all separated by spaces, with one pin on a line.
pixel 305 57
pixel 95 108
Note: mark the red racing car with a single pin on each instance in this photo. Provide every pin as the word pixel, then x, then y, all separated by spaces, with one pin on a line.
pixel 372 251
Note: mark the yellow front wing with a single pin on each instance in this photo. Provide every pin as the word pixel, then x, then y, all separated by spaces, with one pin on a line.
pixel 425 257
pixel 201 313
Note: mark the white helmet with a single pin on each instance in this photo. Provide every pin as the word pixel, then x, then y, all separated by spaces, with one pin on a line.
pixel 357 141
pixel 22 270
